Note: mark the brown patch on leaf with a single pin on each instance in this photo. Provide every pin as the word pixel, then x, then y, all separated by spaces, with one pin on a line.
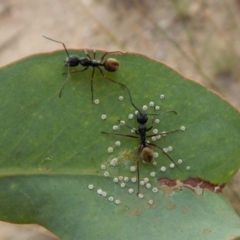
pixel 195 184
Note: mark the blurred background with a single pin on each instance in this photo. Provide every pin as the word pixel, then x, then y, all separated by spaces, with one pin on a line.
pixel 200 39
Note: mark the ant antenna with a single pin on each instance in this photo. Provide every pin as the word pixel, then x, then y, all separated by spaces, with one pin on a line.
pixel 58 42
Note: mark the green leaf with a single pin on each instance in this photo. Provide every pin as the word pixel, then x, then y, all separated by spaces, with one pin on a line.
pixel 52 149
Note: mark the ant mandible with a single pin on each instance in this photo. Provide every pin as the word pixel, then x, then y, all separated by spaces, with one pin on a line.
pixel 111 65
pixel 144 148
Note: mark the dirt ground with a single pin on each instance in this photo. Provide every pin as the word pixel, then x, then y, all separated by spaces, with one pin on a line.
pixel 200 39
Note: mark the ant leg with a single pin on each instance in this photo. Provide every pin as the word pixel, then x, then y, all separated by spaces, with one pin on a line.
pixel 93 71
pixel 106 53
pixel 129 94
pixel 75 71
pixel 152 144
pixel 60 92
pixel 89 55
pixel 138 172
pixel 160 114
pixel 123 135
pixel 69 75
pixel 162 134
pixel 128 127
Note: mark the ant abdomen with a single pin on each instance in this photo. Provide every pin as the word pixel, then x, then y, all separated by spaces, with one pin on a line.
pixel 111 65
pixel 147 154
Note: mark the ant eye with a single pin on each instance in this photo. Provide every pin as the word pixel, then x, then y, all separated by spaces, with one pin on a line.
pixel 111 65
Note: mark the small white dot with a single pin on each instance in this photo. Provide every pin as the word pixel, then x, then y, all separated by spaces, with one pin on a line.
pixel 115 180
pixel 155 155
pixel 157 120
pixel 120 98
pixel 172 165
pixel 110 198
pixel 148 185
pixel 118 143
pixel 130 116
pixel 133 179
pixel 114 162
pixel 154 138
pixel 133 169
pixel 151 104
pixel 157 108
pixel 106 174
pixel 165 150
pixel 120 178
pixel 117 201
pixel 163 168
pixel 122 122
pixel 103 167
pixel 110 149
pixel 104 116
pixel 104 194
pixel 154 189
pixel 130 190
pixel 152 174
pixel 96 101
pixel 144 107
pixel 162 96
pixel 136 112
pixel 180 161
pixel 164 133
pixel 140 195
pixel 182 128
pixel 142 183
pixel 115 127
pixel 170 148
pixel 122 184
pixel 158 136
pixel 146 180
pixel 155 131
pixel 126 179
pixel 187 168
pixel 150 201
pixel 154 163
pixel 99 191
pixel 90 186
pixel 133 130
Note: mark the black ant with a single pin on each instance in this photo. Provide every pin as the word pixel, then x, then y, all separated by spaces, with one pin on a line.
pixel 111 65
pixel 144 148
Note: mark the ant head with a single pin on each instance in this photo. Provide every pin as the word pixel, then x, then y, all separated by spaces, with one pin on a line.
pixel 147 154
pixel 111 65
pixel 72 61
pixel 142 117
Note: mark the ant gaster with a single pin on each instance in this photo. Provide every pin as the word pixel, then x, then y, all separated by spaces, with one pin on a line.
pixel 111 65
pixel 144 148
